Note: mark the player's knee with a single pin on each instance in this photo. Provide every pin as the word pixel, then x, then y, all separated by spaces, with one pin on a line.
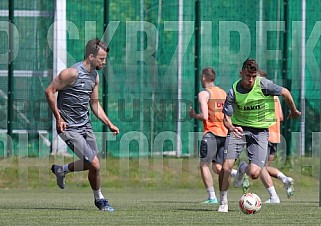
pixel 254 174
pixel 204 164
pixel 227 168
pixel 217 168
pixel 95 164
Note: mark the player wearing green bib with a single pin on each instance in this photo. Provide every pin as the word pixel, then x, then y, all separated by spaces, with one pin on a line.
pixel 248 113
pixel 253 109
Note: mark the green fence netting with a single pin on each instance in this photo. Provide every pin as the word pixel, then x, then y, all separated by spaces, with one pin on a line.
pixel 142 82
pixel 33 64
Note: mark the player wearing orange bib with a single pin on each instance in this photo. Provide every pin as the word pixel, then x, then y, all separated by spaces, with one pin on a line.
pixel 211 101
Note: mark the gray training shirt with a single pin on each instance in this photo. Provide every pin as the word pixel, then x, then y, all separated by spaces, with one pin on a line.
pixel 268 88
pixel 73 100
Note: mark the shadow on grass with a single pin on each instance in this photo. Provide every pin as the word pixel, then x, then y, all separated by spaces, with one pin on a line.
pixel 196 210
pixel 40 208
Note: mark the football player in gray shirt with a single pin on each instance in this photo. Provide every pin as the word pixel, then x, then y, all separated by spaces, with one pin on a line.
pixel 77 88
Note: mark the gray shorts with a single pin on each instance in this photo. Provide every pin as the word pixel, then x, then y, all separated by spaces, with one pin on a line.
pixel 256 141
pixel 212 148
pixel 82 142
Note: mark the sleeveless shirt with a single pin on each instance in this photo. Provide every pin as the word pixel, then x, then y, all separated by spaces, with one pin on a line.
pixel 214 124
pixel 73 100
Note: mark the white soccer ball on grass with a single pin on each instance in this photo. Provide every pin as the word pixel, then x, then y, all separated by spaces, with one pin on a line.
pixel 250 203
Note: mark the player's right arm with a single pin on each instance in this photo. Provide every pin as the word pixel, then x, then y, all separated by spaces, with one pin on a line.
pixel 236 130
pixel 65 78
pixel 203 98
pixel 229 104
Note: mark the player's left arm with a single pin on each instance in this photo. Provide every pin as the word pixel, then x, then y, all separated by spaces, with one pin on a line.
pixel 294 113
pixel 99 111
pixel 281 116
pixel 269 88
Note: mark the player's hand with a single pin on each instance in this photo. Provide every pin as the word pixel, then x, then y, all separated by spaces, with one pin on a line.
pixel 191 112
pixel 237 132
pixel 114 129
pixel 61 125
pixel 294 114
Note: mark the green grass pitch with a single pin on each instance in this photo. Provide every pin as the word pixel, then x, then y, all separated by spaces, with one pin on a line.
pixel 147 207
pixel 165 191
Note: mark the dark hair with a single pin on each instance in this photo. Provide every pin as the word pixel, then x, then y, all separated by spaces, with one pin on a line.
pixel 209 73
pixel 93 46
pixel 250 65
pixel 262 73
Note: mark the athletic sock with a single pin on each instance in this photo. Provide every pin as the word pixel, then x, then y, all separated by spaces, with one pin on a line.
pixel 98 195
pixel 211 193
pixel 272 192
pixel 243 168
pixel 65 169
pixel 223 198
pixel 282 177
pixel 233 172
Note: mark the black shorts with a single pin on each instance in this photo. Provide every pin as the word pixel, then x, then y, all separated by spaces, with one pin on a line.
pixel 212 148
pixel 272 148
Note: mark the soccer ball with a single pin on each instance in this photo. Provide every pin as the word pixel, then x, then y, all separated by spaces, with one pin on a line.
pixel 250 203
